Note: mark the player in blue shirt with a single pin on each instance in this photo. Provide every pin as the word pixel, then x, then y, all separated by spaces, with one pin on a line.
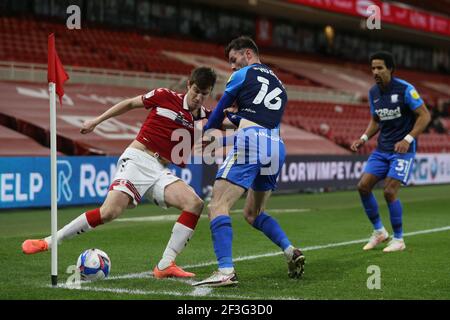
pixel 255 161
pixel 400 115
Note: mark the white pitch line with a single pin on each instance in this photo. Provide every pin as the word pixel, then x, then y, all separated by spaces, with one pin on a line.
pixel 197 292
pixel 148 274
pixel 204 291
pixel 174 217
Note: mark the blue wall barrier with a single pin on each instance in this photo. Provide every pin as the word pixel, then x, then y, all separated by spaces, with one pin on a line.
pixel 25 181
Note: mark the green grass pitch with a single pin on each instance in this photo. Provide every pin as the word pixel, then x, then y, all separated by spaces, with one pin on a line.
pixel 324 225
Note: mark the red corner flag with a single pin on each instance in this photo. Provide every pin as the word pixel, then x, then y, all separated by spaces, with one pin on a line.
pixel 55 71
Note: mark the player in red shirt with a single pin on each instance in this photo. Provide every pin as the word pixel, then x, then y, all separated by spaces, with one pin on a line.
pixel 142 168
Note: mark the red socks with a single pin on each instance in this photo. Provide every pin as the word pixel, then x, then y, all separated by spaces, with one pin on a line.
pixel 188 219
pixel 93 217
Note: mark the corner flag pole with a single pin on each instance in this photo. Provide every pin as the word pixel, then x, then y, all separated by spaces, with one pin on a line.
pixel 56 76
pixel 53 173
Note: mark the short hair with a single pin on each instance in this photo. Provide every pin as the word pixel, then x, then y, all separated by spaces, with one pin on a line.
pixel 243 42
pixel 203 77
pixel 387 57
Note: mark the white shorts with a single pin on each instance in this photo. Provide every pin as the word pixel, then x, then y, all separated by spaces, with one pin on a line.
pixel 141 175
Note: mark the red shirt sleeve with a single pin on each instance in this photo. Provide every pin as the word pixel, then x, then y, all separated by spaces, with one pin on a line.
pixel 154 98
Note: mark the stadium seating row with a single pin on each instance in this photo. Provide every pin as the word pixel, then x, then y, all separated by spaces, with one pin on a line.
pixel 108 49
pixel 27 113
pixel 25 41
pixel 345 123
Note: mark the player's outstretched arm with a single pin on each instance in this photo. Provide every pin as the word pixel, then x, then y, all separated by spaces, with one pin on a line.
pixel 371 130
pixel 422 121
pixel 117 109
pixel 217 116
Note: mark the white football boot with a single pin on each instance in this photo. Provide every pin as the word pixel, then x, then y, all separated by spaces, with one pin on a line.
pixel 376 238
pixel 218 279
pixel 395 245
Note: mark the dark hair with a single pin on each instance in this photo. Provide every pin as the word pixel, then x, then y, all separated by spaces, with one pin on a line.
pixel 203 77
pixel 243 42
pixel 387 57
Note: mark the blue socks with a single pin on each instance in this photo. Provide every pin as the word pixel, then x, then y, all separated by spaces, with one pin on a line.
pixel 395 212
pixel 222 237
pixel 371 207
pixel 270 227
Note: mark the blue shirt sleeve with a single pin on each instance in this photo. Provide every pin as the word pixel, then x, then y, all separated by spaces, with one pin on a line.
pixel 412 98
pixel 235 82
pixel 216 118
pixel 372 107
pixel 234 118
pixel 233 86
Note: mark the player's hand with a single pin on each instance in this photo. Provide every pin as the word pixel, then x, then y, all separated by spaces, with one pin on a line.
pixel 231 110
pixel 88 126
pixel 357 144
pixel 401 146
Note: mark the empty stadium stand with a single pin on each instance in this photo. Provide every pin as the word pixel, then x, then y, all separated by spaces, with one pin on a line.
pixel 312 82
pixel 16 144
pixel 108 49
pixel 27 113
pixel 345 123
pixel 101 48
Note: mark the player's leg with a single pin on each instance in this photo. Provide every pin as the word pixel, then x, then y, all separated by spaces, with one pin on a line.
pixel 395 213
pixel 376 169
pixel 116 202
pixel 233 178
pixel 400 170
pixel 181 196
pixel 255 215
pixel 365 187
pixel 225 194
pixel 123 192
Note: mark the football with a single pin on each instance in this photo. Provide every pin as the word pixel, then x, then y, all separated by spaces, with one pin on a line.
pixel 93 264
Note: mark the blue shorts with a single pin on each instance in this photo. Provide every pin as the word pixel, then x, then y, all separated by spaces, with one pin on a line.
pixel 255 160
pixel 397 166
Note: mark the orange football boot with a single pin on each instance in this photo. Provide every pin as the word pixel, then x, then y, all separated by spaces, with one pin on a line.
pixel 172 271
pixel 32 246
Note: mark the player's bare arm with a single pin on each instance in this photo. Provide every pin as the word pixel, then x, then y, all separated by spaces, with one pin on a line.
pixel 422 121
pixel 371 130
pixel 118 109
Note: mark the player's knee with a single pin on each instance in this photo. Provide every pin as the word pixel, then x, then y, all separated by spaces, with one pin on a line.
pixel 109 213
pixel 212 207
pixel 364 189
pixel 194 205
pixel 216 208
pixel 249 219
pixel 250 215
pixel 390 194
